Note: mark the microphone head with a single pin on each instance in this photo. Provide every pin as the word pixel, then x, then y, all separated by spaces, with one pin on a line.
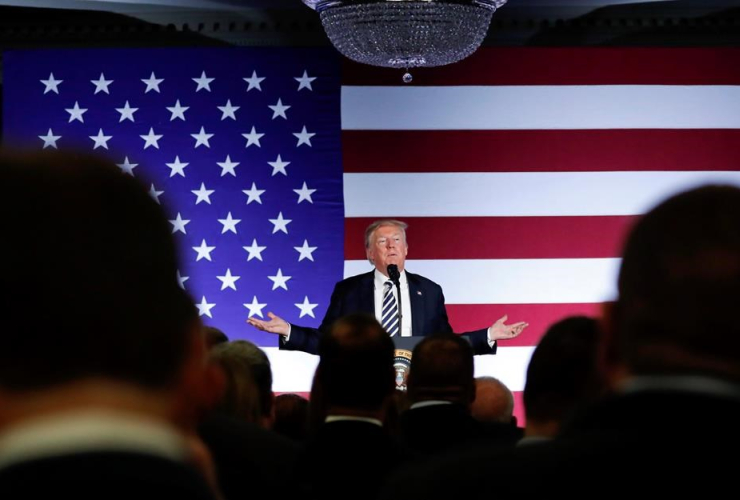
pixel 393 273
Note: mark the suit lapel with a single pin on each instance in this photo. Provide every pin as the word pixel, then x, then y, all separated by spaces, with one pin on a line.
pixel 417 304
pixel 367 293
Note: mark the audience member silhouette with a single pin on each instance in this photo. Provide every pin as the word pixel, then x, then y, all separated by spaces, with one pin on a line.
pixel 351 453
pixel 671 357
pixel 214 336
pixel 250 459
pixel 493 403
pixel 562 376
pixel 441 389
pixel 103 363
pixel 291 416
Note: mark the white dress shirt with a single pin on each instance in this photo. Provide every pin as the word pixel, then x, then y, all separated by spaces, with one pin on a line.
pixel 379 285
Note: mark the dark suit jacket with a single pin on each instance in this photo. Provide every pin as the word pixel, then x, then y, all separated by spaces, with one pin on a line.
pixel 251 462
pixel 95 475
pixel 356 294
pixel 438 428
pixel 662 443
pixel 347 459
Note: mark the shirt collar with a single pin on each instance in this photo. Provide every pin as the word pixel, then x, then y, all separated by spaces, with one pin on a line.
pixel 340 418
pixel 379 279
pixel 88 431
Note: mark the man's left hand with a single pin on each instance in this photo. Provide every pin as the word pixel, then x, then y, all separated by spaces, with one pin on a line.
pixel 501 331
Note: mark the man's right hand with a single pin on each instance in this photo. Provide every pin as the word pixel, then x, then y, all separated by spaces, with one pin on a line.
pixel 275 325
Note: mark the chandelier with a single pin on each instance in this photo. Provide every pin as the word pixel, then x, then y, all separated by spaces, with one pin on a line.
pixel 406 33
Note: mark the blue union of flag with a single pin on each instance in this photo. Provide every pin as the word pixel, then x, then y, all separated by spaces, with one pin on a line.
pixel 241 147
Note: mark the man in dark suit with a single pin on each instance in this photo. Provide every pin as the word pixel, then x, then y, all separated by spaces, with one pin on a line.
pixel 351 453
pixel 441 389
pixel 422 310
pixel 102 358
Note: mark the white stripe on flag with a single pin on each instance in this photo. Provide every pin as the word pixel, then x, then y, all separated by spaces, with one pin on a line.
pixel 514 281
pixel 516 193
pixel 541 107
pixel 293 371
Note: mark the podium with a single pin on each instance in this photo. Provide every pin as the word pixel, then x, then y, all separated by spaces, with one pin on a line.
pixel 402 358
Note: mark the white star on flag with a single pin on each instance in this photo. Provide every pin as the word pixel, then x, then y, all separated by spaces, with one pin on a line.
pixel 127 167
pixel 279 110
pixel 305 251
pixel 203 82
pixel 304 82
pixel 179 224
pixel 154 193
pixel 50 140
pixel 204 308
pixel 253 138
pixel 151 139
pixel 229 223
pixel 204 251
pixel 178 168
pixel 279 166
pixel 279 281
pixel 228 111
pixel 306 308
pixel 76 113
pixel 202 138
pixel 152 83
pixel 127 112
pixel 280 224
pixel 255 251
pixel 182 279
pixel 304 193
pixel 255 308
pixel 304 137
pixel 253 194
pixel 254 82
pixel 203 194
pixel 228 280
pixel 51 85
pixel 101 140
pixel 228 166
pixel 101 84
pixel 178 111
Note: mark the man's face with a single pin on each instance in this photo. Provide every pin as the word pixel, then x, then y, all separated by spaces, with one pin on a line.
pixel 387 246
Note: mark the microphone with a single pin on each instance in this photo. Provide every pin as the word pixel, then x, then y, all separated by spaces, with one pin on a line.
pixel 394 274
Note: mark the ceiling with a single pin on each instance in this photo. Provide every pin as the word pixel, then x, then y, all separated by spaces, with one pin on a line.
pixel 38 23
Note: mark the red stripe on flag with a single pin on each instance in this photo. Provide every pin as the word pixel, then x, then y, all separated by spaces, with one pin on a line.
pixel 501 237
pixel 568 66
pixel 540 150
pixel 521 421
pixel 468 317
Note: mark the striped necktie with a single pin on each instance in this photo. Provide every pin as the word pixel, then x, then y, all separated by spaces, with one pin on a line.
pixel 390 310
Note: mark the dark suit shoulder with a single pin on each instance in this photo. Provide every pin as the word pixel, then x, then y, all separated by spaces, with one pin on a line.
pixel 422 282
pixel 353 281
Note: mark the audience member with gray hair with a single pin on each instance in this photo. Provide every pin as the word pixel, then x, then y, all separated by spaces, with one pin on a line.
pixel 494 402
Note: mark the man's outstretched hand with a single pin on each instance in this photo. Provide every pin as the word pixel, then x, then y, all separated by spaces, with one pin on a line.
pixel 275 325
pixel 501 331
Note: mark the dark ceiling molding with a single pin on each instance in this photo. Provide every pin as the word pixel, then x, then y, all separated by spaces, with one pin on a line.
pixel 37 28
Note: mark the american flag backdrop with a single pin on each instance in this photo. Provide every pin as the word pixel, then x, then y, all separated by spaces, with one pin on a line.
pixel 518 170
